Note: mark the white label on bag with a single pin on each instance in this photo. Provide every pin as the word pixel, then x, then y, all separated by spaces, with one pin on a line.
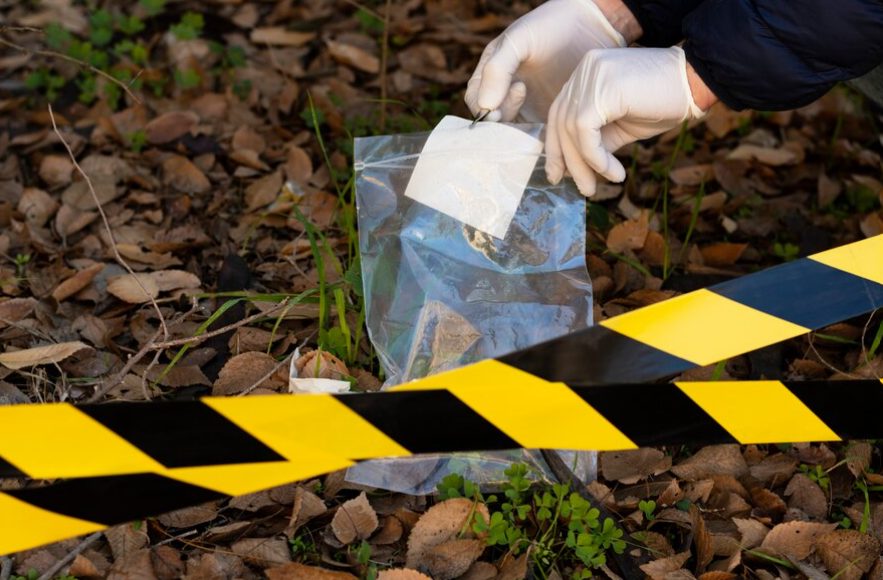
pixel 476 175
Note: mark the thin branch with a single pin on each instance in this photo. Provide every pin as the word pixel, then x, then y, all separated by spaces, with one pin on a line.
pixel 108 229
pixel 272 371
pixel 219 331
pixel 62 56
pixel 56 568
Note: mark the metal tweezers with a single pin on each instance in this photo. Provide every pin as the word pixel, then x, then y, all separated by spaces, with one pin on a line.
pixel 481 116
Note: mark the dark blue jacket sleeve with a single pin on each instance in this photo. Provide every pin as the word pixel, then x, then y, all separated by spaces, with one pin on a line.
pixel 781 54
pixel 662 20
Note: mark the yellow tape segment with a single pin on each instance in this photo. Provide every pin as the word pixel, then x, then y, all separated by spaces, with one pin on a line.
pixel 242 478
pixel 25 526
pixel 703 327
pixel 758 411
pixel 47 441
pixel 864 258
pixel 512 400
pixel 304 426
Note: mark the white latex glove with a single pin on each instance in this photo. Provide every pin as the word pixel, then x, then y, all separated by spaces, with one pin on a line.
pixel 613 98
pixel 524 68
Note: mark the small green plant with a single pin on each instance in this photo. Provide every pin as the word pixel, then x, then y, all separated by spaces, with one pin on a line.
pixel 817 474
pixel 21 265
pixel 189 27
pixel 302 546
pixel 363 557
pixel 787 251
pixel 559 526
pixel 647 507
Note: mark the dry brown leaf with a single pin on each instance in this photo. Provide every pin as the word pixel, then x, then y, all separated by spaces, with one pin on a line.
pixel 513 568
pixel 263 191
pixel 766 155
pixel 722 253
pixel 828 190
pixel 701 539
pixel 354 519
pixel 170 126
pixel 718 575
pixel 441 523
pixel 480 571
pixel 631 466
pixel 247 138
pixel 76 282
pixel 405 574
pixel 217 565
pixel 181 174
pixel 712 460
pixel 243 371
pixel 262 551
pixel 168 280
pixel 752 531
pixel 15 310
pixel 656 542
pixel 191 516
pixel 848 553
pixel 872 225
pixel 279 36
pixel 659 569
pixel 795 539
pixel 306 506
pixel 692 175
pixel 133 288
pixel 83 567
pixel 320 364
pixel 628 235
pixel 353 56
pixel 125 539
pixel 135 566
pixel 40 355
pixel 37 206
pixel 56 170
pixel 774 469
pixel 806 495
pixel 858 457
pixel 390 532
pixel 451 559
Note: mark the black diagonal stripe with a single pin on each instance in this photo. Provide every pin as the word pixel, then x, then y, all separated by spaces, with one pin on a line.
pixel 9 470
pixel 596 356
pixel 428 421
pixel 115 499
pixel 852 409
pixel 805 292
pixel 182 434
pixel 653 415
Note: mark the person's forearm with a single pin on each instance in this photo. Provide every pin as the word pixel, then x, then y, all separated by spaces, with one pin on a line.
pixel 702 95
pixel 621 18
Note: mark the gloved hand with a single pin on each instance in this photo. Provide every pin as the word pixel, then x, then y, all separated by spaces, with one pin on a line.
pixel 613 98
pixel 533 58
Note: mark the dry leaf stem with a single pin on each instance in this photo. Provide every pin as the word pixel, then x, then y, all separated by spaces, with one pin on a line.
pixel 62 56
pixel 113 243
pixel 218 331
pixel 56 568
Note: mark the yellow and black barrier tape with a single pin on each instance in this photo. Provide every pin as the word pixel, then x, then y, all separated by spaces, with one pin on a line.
pixel 125 461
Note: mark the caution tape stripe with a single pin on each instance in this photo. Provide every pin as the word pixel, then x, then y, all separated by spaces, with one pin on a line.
pixel 671 414
pixel 717 323
pixel 483 409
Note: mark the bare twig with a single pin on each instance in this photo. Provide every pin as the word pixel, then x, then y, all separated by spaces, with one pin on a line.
pixel 62 56
pixel 136 358
pixel 108 229
pixel 218 331
pixel 56 568
pixel 272 371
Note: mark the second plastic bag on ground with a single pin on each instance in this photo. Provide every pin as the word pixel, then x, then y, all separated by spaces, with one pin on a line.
pixel 442 294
